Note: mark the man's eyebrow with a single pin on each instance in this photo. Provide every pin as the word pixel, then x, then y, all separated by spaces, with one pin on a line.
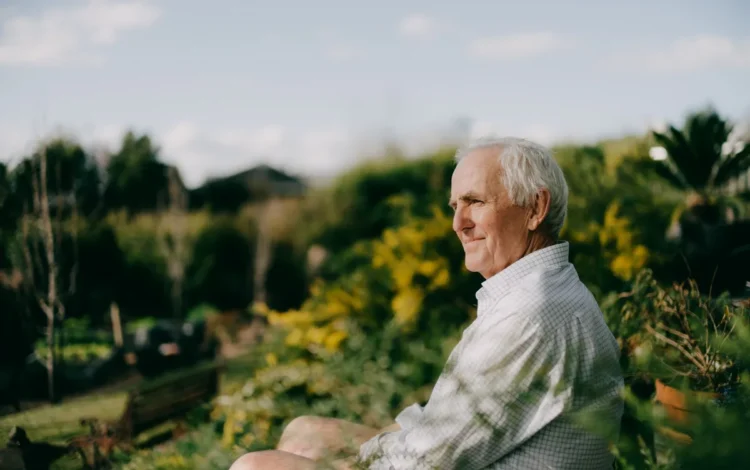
pixel 465 197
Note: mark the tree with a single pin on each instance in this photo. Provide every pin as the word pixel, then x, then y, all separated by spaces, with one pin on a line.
pixel 705 160
pixel 8 216
pixel 135 176
pixel 53 199
pixel 15 342
pixel 73 174
pixel 701 158
pixel 220 272
pixel 173 228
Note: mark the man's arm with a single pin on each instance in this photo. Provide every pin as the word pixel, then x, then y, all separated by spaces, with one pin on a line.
pixel 392 428
pixel 504 388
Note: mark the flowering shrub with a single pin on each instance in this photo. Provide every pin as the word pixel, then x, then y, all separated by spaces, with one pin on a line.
pixel 363 344
pixel 403 283
pixel 608 254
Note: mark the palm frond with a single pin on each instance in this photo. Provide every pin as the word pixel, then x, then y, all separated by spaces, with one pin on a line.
pixel 745 196
pixel 707 133
pixel 732 167
pixel 696 151
pixel 682 155
pixel 665 171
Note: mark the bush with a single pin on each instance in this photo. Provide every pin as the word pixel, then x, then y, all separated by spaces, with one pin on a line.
pixel 220 271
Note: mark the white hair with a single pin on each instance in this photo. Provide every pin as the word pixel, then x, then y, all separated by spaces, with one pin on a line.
pixel 527 168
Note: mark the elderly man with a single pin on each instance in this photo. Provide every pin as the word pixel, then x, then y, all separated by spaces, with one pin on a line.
pixel 538 356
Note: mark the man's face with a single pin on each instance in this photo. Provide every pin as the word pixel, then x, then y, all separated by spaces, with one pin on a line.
pixel 492 230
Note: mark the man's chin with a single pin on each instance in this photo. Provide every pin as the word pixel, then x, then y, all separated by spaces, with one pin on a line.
pixel 472 265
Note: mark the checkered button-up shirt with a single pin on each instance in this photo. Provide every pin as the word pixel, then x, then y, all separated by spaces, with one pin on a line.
pixel 538 357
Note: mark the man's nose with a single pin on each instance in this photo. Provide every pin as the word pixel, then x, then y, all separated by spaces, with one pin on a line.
pixel 461 220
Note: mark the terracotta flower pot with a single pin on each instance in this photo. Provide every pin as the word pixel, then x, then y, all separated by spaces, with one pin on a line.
pixel 676 403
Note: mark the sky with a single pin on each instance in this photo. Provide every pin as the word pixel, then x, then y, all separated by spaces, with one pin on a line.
pixel 314 87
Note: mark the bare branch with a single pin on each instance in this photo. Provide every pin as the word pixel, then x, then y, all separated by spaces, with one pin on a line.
pixel 677 346
pixel 173 225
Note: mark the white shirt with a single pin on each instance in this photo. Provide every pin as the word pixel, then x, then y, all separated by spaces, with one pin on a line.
pixel 501 401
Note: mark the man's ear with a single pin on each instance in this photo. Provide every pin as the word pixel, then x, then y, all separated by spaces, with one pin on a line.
pixel 539 210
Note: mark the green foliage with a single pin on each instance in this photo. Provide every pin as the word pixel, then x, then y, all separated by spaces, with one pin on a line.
pixel 714 433
pixel 99 278
pixel 142 322
pixel 672 333
pixel 7 214
pixel 286 278
pixel 220 272
pixel 696 158
pixel 80 353
pixel 365 193
pixel 371 333
pixel 201 312
pixel 365 344
pixel 617 216
pixel 72 177
pixel 136 179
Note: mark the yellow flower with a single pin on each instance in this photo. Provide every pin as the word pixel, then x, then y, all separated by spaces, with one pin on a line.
pixel 390 239
pixel 295 337
pixel 403 275
pixel 640 255
pixel 406 305
pixel 333 341
pixel 624 240
pixel 260 308
pixel 227 439
pixel 271 359
pixel 248 439
pixel 622 267
pixel 316 335
pixel 274 319
pixel 428 267
pixel 441 279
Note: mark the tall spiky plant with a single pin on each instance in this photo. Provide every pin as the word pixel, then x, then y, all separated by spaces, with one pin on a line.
pixel 699 160
pixel 703 159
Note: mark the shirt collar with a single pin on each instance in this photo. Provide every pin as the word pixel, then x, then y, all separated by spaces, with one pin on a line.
pixel 503 282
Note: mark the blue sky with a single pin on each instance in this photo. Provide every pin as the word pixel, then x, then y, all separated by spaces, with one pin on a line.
pixel 314 86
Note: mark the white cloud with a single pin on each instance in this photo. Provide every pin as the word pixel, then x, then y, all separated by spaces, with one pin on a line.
pixel 62 35
pixel 418 25
pixel 689 54
pixel 517 46
pixel 201 154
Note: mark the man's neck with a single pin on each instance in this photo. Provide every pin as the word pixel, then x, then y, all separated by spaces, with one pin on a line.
pixel 537 241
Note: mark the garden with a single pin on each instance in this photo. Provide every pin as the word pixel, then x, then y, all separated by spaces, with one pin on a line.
pixel 355 293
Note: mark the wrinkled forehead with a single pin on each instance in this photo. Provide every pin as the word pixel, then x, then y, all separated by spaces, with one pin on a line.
pixel 476 172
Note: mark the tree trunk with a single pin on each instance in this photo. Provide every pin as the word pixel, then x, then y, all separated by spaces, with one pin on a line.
pixel 114 312
pixel 263 247
pixel 177 307
pixel 60 363
pixel 51 359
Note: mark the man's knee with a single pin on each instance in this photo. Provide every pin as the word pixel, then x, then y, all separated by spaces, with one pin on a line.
pixel 252 461
pixel 305 424
pixel 318 438
pixel 272 459
pixel 303 427
pixel 307 436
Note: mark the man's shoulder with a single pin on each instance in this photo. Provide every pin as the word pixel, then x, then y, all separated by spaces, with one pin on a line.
pixel 553 290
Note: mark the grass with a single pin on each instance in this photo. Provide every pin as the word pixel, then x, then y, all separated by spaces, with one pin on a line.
pixel 58 423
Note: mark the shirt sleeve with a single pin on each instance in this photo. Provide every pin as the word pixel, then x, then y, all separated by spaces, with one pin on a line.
pixel 504 386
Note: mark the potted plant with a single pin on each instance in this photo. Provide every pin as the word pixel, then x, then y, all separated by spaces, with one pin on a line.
pixel 682 333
